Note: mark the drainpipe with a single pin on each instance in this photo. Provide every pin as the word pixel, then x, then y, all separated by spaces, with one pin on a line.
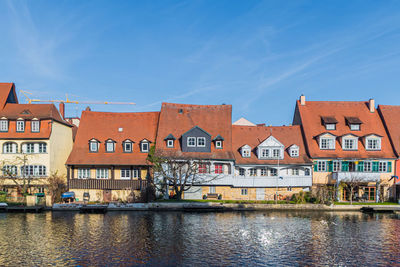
pixel 377 192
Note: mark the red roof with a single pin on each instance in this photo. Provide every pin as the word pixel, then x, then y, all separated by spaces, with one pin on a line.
pixel 311 113
pixel 255 135
pixel 177 119
pixel 391 118
pixel 5 90
pixel 106 125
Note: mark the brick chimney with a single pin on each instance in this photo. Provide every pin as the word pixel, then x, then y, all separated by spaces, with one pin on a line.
pixel 88 109
pixel 302 100
pixel 371 105
pixel 62 110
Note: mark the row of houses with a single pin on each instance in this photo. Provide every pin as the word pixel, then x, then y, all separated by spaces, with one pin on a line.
pixel 103 155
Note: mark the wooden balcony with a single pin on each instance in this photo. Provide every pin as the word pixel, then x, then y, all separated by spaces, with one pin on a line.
pixel 106 184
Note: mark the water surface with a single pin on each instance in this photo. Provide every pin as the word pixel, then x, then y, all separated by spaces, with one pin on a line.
pixel 182 238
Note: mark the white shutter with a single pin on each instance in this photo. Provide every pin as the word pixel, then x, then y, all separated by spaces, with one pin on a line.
pixel 23 148
pixel 36 148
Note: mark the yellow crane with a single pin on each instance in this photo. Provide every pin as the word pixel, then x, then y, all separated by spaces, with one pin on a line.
pixel 30 100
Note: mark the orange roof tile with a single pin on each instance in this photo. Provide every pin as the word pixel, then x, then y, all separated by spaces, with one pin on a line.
pixel 5 90
pixel 310 115
pixel 391 118
pixel 177 119
pixel 106 125
pixel 255 135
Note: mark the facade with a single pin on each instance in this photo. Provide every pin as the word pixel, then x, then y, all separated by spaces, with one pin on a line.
pixel 347 141
pixel 35 141
pixel 202 133
pixel 270 161
pixel 391 118
pixel 108 159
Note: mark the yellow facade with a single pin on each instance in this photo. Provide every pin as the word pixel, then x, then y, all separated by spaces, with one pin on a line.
pixel 97 195
pixel 117 172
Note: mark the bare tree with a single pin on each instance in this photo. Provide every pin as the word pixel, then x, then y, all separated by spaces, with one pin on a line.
pixel 351 183
pixel 9 172
pixel 56 186
pixel 181 173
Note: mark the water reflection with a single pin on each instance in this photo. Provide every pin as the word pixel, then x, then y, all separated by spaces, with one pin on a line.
pixel 174 238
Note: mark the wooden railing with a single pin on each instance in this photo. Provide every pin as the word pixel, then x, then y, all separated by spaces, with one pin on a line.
pixel 106 184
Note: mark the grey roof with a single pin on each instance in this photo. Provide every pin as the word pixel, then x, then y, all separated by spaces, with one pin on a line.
pixel 218 138
pixel 170 137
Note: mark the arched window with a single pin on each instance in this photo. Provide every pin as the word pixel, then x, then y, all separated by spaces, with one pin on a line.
pixel 33 171
pixel 10 147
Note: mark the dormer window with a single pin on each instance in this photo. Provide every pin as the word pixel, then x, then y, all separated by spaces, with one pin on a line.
pixel 170 140
pixel 294 151
pixel 373 142
pixel 3 125
pixel 355 127
pixel 170 143
pixel 94 145
pixel 218 140
pixel 329 122
pixel 35 126
pixel 218 144
pixel 127 146
pixel 20 125
pixel 246 151
pixel 350 142
pixel 276 153
pixel 201 141
pixel 354 123
pixel 191 141
pixel 144 146
pixel 110 146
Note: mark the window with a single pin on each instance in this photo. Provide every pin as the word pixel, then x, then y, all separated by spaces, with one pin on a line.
pixel 20 126
pixel 294 152
pixel 218 144
pixel 33 170
pixel 42 147
pixel 335 166
pixel 10 148
pixel 276 153
pixel 102 173
pixel 83 173
pixel 244 192
pixel 321 166
pixel 263 172
pixel 355 127
pixel 110 146
pixel 203 168
pixel 127 146
pixel 253 172
pixel 4 125
pixel 35 126
pixel 246 153
pixel 265 153
pixel 125 173
pixel 367 166
pixel 30 148
pixel 242 171
pixel 136 173
pixel 327 143
pixel 274 172
pixel 330 126
pixel 170 143
pixel 145 147
pixel 373 144
pixel 349 144
pixel 295 172
pixel 10 170
pixel 191 141
pixel 307 172
pixel 201 141
pixel 382 166
pixel 94 146
pixel 218 168
pixel 212 190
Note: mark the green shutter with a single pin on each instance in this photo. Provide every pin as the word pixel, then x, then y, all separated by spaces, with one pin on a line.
pixel 375 166
pixel 330 165
pixel 389 168
pixel 315 166
pixel 345 166
pixel 360 166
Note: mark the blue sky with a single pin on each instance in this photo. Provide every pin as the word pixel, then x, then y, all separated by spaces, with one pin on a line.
pixel 259 56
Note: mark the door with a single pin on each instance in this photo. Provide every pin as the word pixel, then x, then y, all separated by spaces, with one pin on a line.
pixel 260 193
pixel 370 192
pixel 107 195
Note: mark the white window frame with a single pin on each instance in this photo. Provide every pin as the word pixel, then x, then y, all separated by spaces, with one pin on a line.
pixel 190 140
pixel 170 143
pixel 42 148
pixel 94 146
pixel 125 173
pixel 144 147
pixel 218 144
pixel 383 166
pixel 347 142
pixel 29 148
pixel 246 153
pixel 274 172
pixel 10 169
pixel 376 141
pixel 242 172
pixel 321 166
pixel 3 125
pixel 198 142
pixel 274 153
pixel 253 172
pixel 110 146
pixel 330 126
pixel 369 164
pixel 264 172
pixel 336 166
pixel 244 192
pixel 83 173
pixel 101 173
pixel 35 126
pixel 294 152
pixel 212 190
pixel 327 143
pixel 20 126
pixel 10 148
pixel 355 127
pixel 265 153
pixel 135 173
pixel 130 144
pixel 33 171
pixel 295 171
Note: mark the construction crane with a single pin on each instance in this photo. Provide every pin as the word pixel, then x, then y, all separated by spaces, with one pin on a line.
pixel 67 101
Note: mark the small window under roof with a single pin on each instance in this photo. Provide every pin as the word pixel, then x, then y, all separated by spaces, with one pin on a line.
pixel 353 120
pixel 329 120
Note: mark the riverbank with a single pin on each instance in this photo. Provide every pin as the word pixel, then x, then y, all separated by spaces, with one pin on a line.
pixel 217 206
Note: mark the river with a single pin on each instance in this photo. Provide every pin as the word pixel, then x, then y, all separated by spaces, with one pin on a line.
pixel 187 239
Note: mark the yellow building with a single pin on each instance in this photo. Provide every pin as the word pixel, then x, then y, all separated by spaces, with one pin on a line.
pixel 35 142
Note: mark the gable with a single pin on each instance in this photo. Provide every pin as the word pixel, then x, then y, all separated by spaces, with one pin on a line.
pixel 271 142
pixel 196 131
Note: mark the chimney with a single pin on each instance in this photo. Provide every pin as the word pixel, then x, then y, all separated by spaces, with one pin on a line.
pixel 62 110
pixel 302 100
pixel 371 105
pixel 88 109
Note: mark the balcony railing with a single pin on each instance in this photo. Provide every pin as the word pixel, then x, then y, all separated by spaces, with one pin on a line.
pixel 261 181
pixel 360 176
pixel 106 184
